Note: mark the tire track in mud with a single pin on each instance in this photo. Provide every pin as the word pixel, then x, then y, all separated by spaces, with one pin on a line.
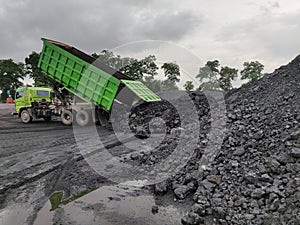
pixel 26 176
pixel 23 144
pixel 60 155
pixel 46 154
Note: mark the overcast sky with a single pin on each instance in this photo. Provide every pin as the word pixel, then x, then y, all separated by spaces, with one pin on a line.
pixel 231 31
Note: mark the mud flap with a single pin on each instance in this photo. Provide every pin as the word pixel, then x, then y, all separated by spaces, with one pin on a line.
pixel 103 117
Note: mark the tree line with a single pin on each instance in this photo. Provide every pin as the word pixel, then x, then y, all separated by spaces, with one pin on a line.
pixel 212 76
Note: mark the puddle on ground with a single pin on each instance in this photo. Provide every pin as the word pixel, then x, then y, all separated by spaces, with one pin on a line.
pixel 111 205
pixel 45 215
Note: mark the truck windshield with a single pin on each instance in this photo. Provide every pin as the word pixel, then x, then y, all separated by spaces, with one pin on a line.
pixel 19 94
pixel 42 93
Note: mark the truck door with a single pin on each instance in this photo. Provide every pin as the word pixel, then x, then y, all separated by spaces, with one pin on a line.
pixel 20 99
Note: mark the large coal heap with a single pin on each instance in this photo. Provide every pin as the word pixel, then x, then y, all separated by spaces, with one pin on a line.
pixel 256 177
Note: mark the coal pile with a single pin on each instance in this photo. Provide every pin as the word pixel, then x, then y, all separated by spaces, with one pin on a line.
pixel 255 178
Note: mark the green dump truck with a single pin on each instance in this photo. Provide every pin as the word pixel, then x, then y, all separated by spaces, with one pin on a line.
pixel 77 74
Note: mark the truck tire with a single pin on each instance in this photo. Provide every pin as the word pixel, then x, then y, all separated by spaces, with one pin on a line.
pixel 25 116
pixel 83 118
pixel 67 117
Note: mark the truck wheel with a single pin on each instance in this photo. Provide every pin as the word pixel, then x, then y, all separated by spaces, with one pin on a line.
pixel 25 116
pixel 83 118
pixel 67 117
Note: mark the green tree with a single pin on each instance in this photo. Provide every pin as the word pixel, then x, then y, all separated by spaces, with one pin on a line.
pixel 188 85
pixel 252 70
pixel 143 69
pixel 212 77
pixel 171 71
pixel 32 70
pixel 209 76
pixel 227 75
pixel 11 74
pixel 134 68
pixel 108 58
pixel 213 65
pixel 149 67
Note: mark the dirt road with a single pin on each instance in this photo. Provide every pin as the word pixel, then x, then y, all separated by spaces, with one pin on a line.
pixel 41 158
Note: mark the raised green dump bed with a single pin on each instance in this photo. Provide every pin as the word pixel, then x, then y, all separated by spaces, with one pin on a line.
pixel 86 77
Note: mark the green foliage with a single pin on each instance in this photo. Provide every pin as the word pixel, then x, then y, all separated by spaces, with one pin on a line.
pixel 252 70
pixel 209 76
pixel 149 67
pixel 213 65
pixel 189 85
pixel 140 69
pixel 212 77
pixel 11 74
pixel 144 70
pixel 55 200
pixel 108 58
pixel 227 75
pixel 134 68
pixel 159 85
pixel 171 71
pixel 32 70
pixel 78 195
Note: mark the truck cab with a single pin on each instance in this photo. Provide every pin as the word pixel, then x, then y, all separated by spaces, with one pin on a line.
pixel 28 98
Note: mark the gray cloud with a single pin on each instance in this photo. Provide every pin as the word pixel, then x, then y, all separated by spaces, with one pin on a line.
pixel 89 25
pixel 272 37
pixel 270 7
pixel 168 25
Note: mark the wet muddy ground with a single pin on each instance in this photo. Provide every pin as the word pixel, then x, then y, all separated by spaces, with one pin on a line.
pixel 42 158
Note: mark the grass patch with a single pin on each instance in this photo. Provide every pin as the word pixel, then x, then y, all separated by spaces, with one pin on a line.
pixel 79 195
pixel 55 200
